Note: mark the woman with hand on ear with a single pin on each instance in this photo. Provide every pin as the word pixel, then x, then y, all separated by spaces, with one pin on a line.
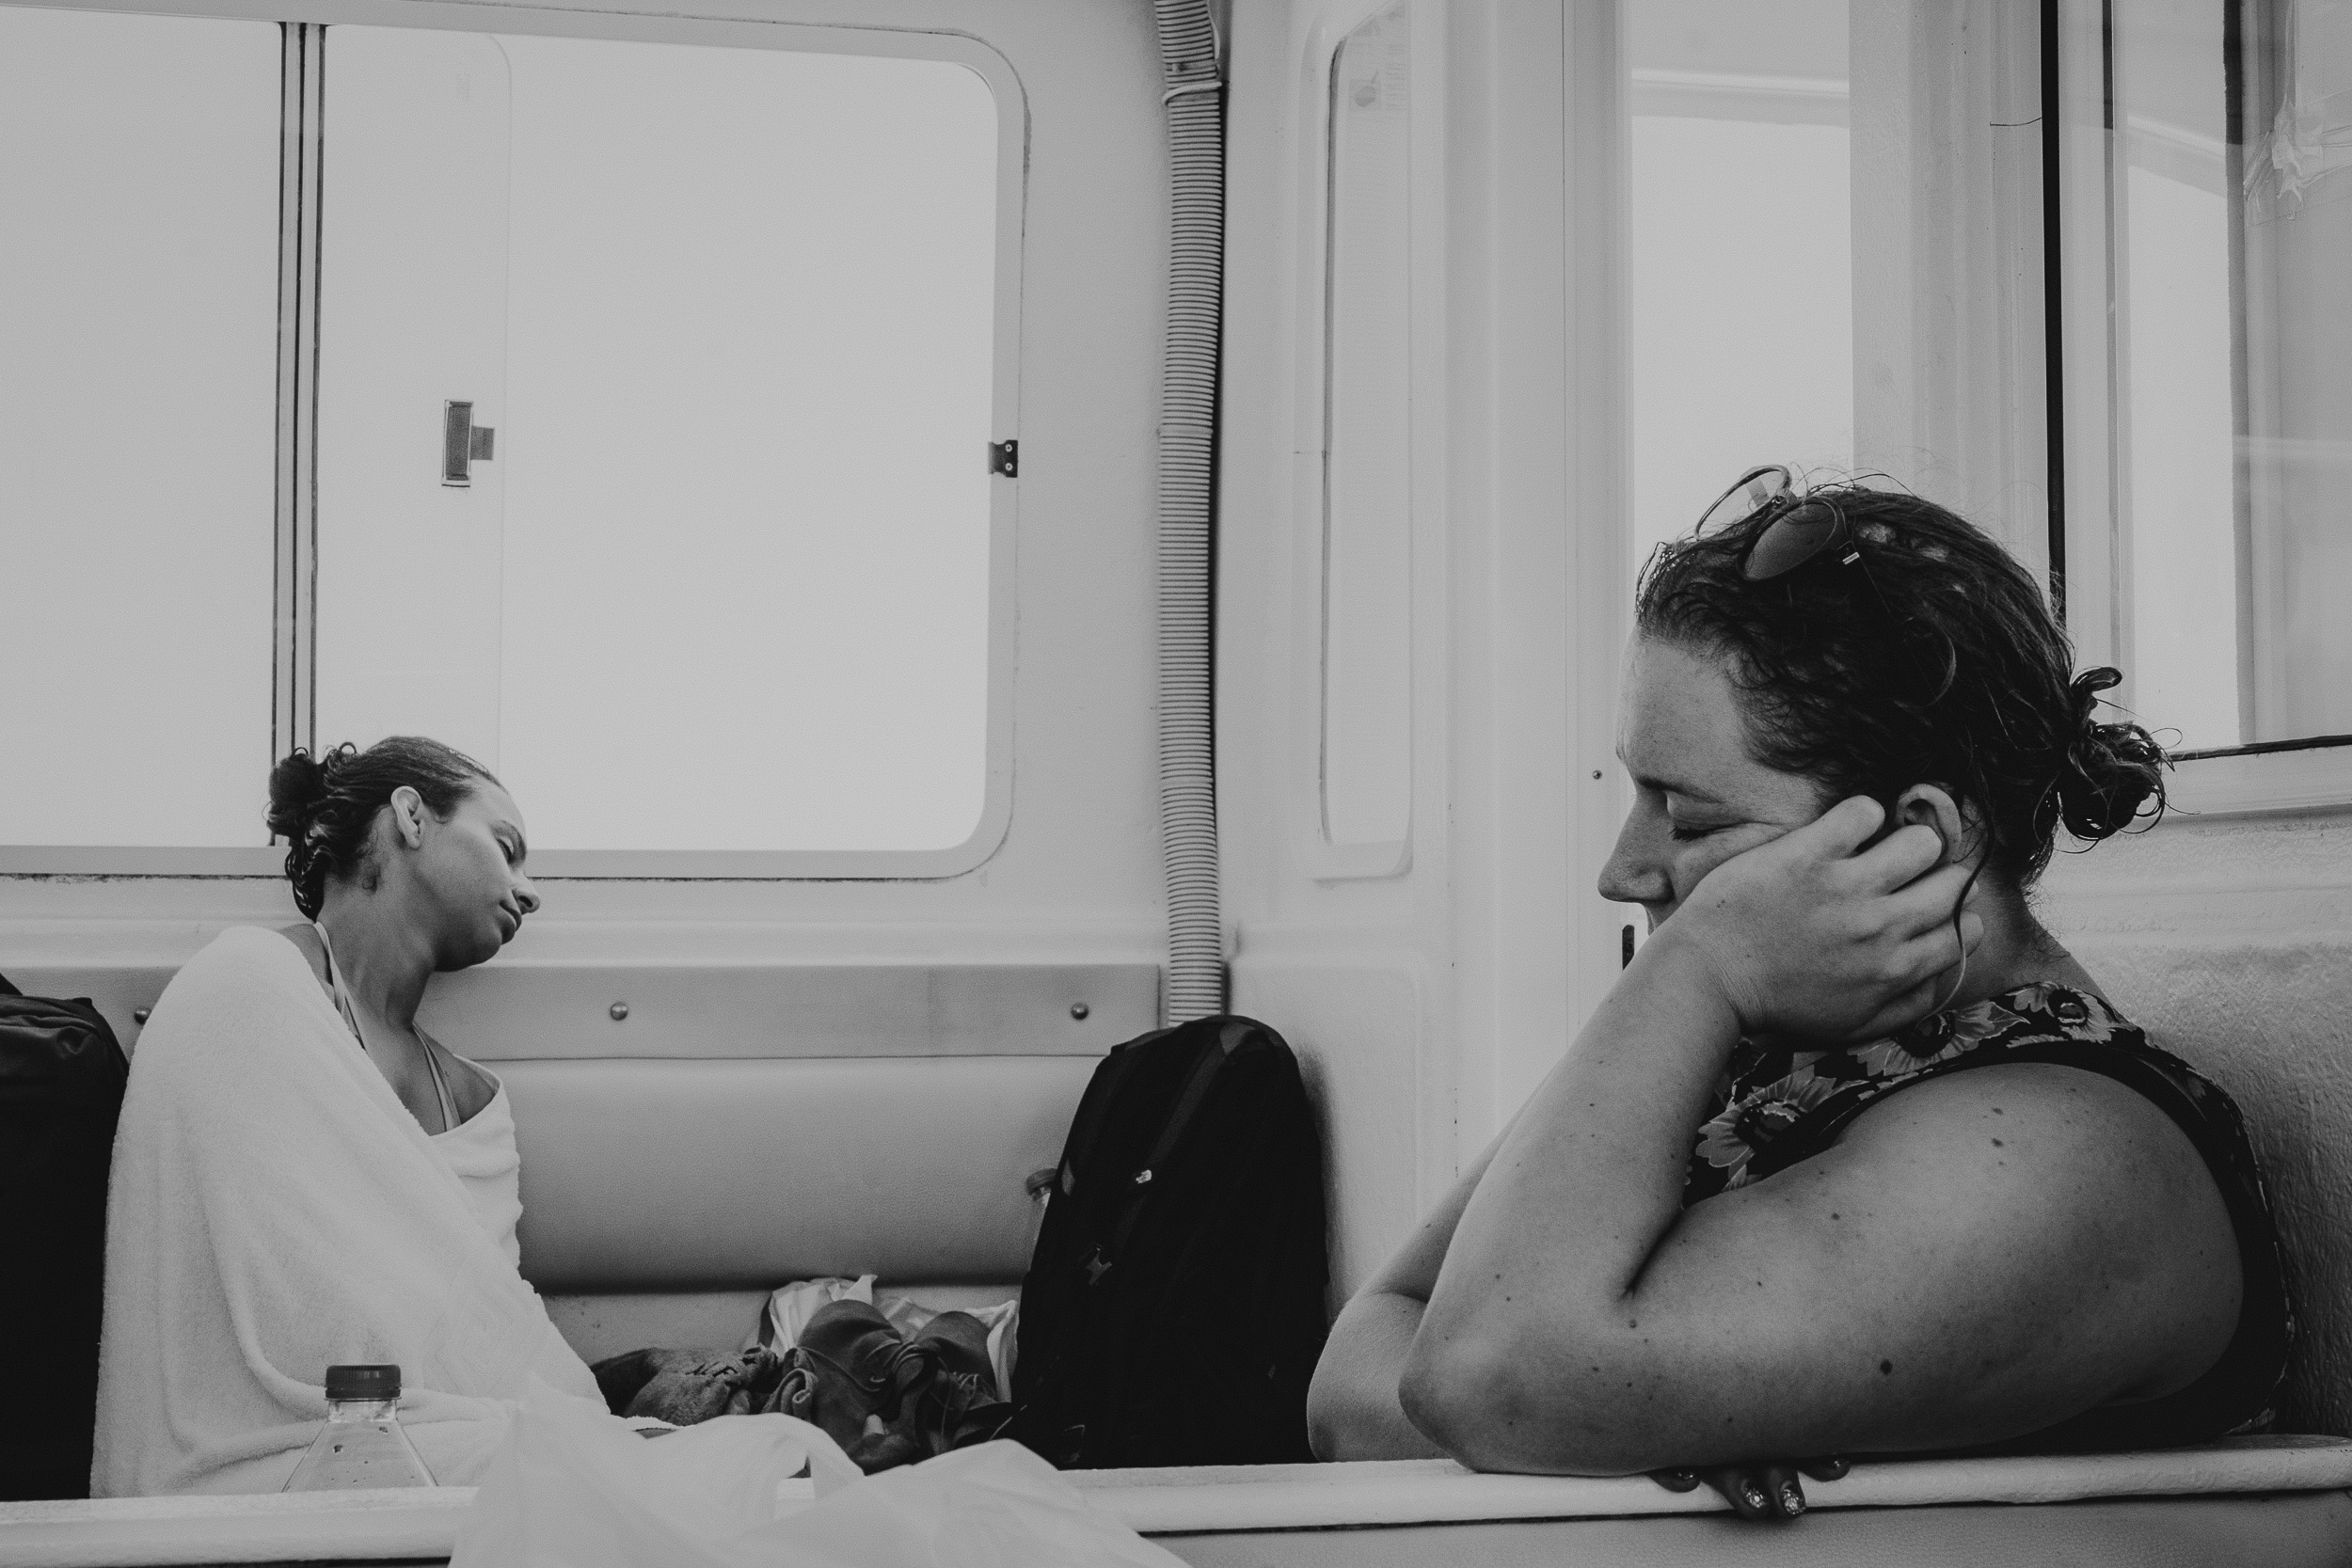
pixel 1854 1158
pixel 303 1177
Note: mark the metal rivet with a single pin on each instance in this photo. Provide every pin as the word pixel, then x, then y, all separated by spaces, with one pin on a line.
pixel 138 1015
pixel 619 1011
pixel 1079 1010
pixel 1596 773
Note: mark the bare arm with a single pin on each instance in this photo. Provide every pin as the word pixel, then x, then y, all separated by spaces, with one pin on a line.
pixel 1352 1408
pixel 1977 1256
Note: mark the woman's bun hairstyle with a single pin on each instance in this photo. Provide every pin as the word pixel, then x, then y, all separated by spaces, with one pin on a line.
pixel 297 788
pixel 324 806
pixel 1935 660
pixel 2111 771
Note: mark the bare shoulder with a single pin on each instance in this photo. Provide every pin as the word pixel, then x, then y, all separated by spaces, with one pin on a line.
pixel 2076 1169
pixel 2115 1151
pixel 1981 1254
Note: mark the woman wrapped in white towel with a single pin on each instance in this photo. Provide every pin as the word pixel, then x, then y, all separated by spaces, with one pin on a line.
pixel 302 1177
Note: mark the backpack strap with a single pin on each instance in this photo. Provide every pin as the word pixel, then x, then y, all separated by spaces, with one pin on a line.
pixel 1086 1131
pixel 1231 1033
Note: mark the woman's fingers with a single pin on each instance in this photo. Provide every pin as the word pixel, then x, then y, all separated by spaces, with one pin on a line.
pixel 1785 1490
pixel 1928 901
pixel 1841 831
pixel 1900 859
pixel 1742 1487
pixel 1759 1491
pixel 1756 1490
pixel 1920 974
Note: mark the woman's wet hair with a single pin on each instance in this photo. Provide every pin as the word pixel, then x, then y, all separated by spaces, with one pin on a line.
pixel 324 806
pixel 1952 673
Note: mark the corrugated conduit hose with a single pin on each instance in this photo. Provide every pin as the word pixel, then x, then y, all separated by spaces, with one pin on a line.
pixel 1194 99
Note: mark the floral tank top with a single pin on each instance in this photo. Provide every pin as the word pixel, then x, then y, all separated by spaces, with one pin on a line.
pixel 1780 1105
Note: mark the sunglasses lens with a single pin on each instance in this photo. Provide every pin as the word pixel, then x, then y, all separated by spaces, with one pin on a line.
pixel 1754 489
pixel 1791 542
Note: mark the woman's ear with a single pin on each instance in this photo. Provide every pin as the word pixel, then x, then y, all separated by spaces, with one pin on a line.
pixel 1927 805
pixel 408 816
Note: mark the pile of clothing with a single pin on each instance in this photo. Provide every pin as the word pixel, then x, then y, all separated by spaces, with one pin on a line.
pixel 891 1381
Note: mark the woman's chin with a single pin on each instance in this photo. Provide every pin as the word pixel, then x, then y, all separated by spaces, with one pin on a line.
pixel 475 948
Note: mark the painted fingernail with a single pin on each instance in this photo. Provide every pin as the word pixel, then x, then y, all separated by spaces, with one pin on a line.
pixel 1755 1496
pixel 1791 1500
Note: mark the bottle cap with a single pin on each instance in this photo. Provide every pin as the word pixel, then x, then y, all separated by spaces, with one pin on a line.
pixel 363 1383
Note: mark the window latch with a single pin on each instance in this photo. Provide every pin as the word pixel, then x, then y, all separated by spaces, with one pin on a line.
pixel 463 443
pixel 1004 457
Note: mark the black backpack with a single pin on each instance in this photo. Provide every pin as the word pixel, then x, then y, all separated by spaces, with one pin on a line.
pixel 62 1078
pixel 1173 1309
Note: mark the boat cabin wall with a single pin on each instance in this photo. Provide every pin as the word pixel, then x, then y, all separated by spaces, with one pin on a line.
pixel 1409 886
pixel 1423 922
pixel 725 1076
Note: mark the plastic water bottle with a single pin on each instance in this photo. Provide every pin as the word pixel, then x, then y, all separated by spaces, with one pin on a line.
pixel 361 1444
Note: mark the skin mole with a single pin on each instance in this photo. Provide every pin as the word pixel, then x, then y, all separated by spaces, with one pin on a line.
pixel 1886 1369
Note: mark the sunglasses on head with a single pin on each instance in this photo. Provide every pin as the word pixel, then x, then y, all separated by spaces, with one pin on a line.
pixel 1800 529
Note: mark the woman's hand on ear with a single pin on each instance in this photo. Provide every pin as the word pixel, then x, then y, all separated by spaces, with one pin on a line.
pixel 1814 935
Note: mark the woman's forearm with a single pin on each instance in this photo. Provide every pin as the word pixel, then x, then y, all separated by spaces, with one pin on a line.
pixel 1352 1408
pixel 1532 1332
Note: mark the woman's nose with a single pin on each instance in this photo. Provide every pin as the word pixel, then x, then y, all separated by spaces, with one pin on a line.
pixel 1617 884
pixel 527 895
pixel 1632 875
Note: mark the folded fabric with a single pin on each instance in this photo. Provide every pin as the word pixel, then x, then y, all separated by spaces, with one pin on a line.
pixel 574 1491
pixel 274 1210
pixel 887 1399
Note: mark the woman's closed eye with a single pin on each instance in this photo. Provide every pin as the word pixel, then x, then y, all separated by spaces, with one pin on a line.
pixel 1690 834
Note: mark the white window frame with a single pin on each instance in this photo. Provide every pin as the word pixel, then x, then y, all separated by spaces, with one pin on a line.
pixel 293 702
pixel 2270 776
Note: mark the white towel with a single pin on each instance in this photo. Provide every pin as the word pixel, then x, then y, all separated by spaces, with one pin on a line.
pixel 274 1210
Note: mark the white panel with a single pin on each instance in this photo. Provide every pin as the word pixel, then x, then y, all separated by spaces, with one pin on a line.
pixel 1368 513
pixel 138 330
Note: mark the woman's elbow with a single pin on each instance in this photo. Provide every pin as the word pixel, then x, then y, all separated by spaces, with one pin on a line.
pixel 1459 1392
pixel 1350 1416
pixel 1487 1403
pixel 1328 1428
